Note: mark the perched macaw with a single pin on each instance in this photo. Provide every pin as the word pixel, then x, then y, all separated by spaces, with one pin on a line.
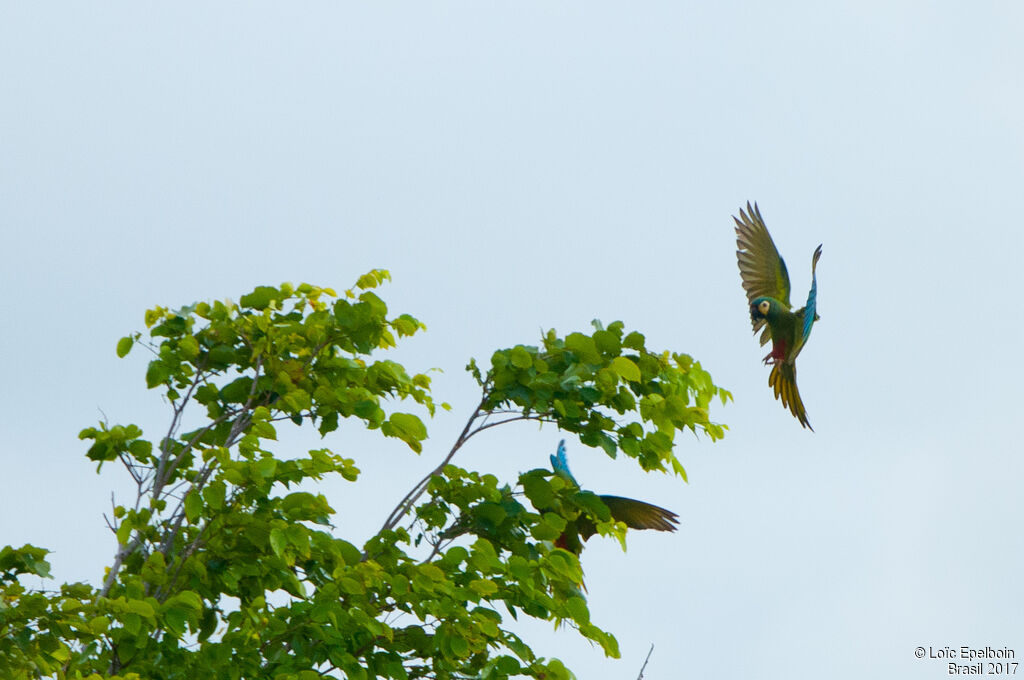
pixel 766 282
pixel 634 514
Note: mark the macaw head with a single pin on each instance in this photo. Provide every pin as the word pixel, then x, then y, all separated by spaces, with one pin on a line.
pixel 762 308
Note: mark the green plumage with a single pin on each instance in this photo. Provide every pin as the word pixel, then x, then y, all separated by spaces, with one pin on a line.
pixel 766 283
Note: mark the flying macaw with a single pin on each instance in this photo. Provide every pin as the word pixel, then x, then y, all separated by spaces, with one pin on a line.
pixel 766 282
pixel 634 514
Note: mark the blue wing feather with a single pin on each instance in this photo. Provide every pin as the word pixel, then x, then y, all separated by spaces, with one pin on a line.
pixel 560 464
pixel 810 311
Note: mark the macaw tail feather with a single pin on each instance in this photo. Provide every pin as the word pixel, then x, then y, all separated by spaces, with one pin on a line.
pixel 782 380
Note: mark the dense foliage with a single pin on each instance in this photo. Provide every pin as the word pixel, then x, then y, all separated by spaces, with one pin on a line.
pixel 224 568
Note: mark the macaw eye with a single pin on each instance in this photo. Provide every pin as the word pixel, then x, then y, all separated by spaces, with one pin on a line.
pixel 764 307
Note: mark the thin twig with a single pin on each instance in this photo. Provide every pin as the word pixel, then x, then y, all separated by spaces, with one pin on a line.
pixel 539 418
pixel 112 525
pixel 406 503
pixel 641 676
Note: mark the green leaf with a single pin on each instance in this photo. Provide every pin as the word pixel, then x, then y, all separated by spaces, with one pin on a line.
pixel 193 506
pixel 189 347
pixel 584 346
pixel 483 587
pixel 520 357
pixel 351 586
pixel 432 572
pixel 538 490
pixel 593 504
pixel 222 355
pixel 349 553
pixel 459 646
pixel 214 495
pixel 124 345
pixel 408 428
pixel 264 430
pixel 278 541
pixel 142 608
pixel 155 569
pixel 99 625
pixel 373 278
pixel 124 531
pixel 266 467
pixel 237 391
pixel 678 468
pixel 626 369
pixel 189 600
pixel 27 559
pixel 260 298
pixel 545 531
pixel 141 449
pixel 175 619
pixel 578 610
pixel 607 343
pixel 635 341
pixel 304 506
pixel 157 373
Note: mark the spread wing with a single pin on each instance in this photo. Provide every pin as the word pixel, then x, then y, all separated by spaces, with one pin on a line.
pixel 762 269
pixel 808 314
pixel 811 310
pixel 634 514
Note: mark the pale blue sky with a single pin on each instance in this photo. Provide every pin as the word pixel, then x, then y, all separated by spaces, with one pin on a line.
pixel 537 165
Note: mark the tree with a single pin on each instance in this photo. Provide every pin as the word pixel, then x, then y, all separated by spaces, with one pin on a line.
pixel 223 569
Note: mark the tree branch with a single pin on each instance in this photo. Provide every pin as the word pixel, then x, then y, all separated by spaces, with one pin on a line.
pixel 642 668
pixel 406 503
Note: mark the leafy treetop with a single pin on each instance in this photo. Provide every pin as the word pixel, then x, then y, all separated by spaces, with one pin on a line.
pixel 226 563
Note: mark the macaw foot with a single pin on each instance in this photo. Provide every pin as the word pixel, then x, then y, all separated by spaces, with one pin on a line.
pixel 777 354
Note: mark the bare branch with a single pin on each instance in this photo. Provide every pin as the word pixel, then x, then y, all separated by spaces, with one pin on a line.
pixel 510 420
pixel 112 525
pixel 406 503
pixel 642 668
pixel 124 550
